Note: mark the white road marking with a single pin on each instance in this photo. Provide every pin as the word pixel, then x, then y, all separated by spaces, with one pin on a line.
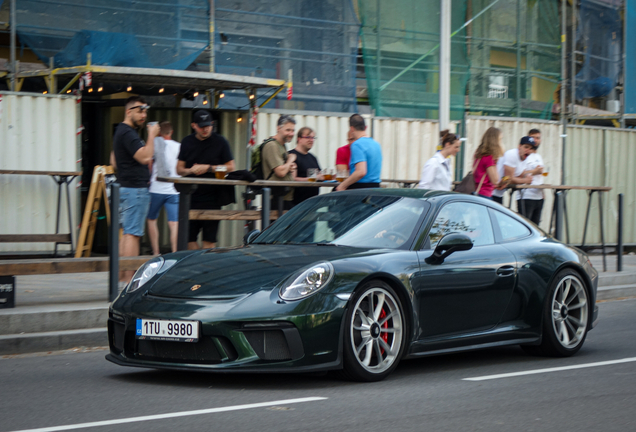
pixel 556 369
pixel 173 415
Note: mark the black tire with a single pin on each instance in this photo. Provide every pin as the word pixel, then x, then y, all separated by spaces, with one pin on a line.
pixel 566 316
pixel 374 338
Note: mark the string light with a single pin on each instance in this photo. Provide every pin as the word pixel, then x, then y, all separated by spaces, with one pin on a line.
pixel 196 93
pixel 101 88
pixel 90 90
pixel 129 88
pixel 44 92
pixel 221 95
pixel 68 91
pixel 205 101
pixel 251 96
pixel 161 90
pixel 240 118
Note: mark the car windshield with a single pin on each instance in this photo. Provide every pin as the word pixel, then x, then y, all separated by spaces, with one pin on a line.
pixel 349 220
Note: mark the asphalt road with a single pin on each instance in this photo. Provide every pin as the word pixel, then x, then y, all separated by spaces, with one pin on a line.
pixel 82 391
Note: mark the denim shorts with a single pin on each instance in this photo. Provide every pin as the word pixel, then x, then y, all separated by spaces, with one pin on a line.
pixel 170 201
pixel 133 209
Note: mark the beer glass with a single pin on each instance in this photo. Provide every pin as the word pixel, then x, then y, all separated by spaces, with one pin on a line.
pixel 312 174
pixel 220 172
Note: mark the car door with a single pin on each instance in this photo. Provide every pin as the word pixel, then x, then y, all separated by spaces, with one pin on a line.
pixel 469 291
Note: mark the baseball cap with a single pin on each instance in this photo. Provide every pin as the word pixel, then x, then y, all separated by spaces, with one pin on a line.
pixel 529 141
pixel 202 118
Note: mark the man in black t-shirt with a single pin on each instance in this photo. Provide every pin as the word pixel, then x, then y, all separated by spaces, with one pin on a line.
pixel 131 157
pixel 304 161
pixel 201 154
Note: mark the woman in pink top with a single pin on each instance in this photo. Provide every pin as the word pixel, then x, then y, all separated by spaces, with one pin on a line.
pixel 485 159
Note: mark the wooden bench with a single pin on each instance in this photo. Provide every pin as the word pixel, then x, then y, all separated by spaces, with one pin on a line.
pixel 63 179
pixel 35 238
pixel 66 265
pixel 248 215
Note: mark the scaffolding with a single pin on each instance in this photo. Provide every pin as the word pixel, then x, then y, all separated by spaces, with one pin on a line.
pixel 504 57
pixel 314 42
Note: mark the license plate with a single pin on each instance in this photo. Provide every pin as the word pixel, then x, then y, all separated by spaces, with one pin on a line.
pixel 168 330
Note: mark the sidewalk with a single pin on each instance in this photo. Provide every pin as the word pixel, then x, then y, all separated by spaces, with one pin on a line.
pixel 55 312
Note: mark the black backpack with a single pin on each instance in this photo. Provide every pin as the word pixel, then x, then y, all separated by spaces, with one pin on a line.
pixel 257 161
pixel 257 170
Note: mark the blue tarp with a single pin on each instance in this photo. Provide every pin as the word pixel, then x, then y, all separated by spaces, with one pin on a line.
pixel 107 49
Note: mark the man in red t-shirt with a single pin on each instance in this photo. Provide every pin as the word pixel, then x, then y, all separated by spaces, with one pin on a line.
pixel 343 154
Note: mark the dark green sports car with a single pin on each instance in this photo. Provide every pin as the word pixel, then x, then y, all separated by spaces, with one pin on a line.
pixel 355 281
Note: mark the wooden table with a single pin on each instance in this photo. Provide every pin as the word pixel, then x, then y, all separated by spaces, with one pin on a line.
pixel 61 178
pixel 186 185
pixel 556 189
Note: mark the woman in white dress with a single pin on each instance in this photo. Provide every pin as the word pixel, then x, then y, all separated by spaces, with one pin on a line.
pixel 436 173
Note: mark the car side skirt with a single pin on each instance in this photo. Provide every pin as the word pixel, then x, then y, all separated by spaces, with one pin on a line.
pixel 521 341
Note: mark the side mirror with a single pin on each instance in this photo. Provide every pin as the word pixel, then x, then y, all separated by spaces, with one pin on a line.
pixel 251 236
pixel 448 244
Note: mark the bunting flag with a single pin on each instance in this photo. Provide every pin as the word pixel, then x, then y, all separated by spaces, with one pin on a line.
pixel 253 136
pixel 290 85
pixel 290 90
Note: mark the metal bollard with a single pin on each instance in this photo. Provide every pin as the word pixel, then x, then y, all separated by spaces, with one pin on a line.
pixel 113 243
pixel 266 197
pixel 619 246
pixel 558 228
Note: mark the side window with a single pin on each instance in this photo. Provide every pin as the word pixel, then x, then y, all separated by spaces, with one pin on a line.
pixel 466 218
pixel 510 228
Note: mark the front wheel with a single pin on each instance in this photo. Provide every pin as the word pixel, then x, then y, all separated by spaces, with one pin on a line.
pixel 566 316
pixel 374 333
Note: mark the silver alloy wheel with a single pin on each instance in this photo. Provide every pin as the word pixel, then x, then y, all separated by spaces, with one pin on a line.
pixel 570 311
pixel 376 330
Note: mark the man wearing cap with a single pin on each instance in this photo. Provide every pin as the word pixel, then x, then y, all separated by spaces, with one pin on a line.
pixel 512 165
pixel 530 201
pixel 131 157
pixel 201 154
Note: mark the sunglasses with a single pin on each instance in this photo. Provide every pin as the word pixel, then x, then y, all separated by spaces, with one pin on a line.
pixel 141 107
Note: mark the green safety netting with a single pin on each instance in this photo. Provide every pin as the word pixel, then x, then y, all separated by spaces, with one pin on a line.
pixel 491 74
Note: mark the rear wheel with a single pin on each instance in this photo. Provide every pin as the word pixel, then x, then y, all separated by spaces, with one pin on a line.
pixel 566 317
pixel 374 333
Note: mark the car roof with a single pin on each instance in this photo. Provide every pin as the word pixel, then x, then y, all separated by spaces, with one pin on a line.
pixel 400 192
pixel 436 198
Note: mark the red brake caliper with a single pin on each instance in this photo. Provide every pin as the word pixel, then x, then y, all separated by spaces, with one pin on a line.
pixel 384 335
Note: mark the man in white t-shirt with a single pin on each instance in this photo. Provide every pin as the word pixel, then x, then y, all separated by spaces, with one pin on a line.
pixel 163 194
pixel 530 201
pixel 512 165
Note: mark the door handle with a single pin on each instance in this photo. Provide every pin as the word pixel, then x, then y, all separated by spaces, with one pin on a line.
pixel 506 271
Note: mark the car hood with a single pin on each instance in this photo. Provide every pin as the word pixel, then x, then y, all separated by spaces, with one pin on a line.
pixel 227 273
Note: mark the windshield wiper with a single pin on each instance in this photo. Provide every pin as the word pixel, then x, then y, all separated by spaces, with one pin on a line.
pixel 325 244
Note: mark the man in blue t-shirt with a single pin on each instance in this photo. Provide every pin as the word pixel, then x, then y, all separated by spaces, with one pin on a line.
pixel 366 158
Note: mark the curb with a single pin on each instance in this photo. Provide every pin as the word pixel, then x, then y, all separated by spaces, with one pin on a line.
pixel 52 341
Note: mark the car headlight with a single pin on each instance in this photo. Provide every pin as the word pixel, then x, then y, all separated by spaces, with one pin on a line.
pixel 145 273
pixel 306 282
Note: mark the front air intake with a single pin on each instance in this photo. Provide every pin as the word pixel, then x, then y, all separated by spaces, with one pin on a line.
pixel 269 344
